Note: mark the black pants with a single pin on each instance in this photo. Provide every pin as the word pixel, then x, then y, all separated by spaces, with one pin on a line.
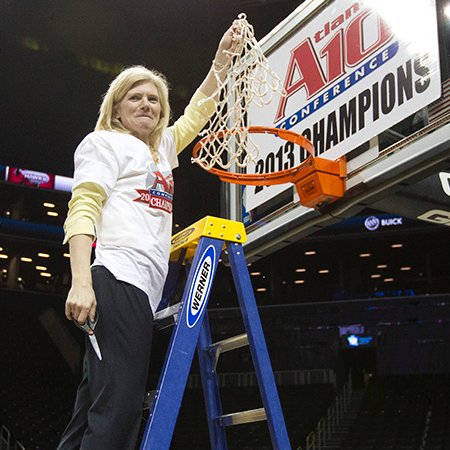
pixel 108 407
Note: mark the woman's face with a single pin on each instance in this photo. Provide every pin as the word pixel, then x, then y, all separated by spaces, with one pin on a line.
pixel 140 110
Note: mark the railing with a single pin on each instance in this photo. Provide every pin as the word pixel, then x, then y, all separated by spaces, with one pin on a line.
pixel 282 378
pixel 5 438
pixel 426 429
pixel 7 442
pixel 329 423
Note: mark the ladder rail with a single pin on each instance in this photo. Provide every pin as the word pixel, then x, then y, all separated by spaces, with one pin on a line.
pixel 172 382
pixel 207 361
pixel 261 360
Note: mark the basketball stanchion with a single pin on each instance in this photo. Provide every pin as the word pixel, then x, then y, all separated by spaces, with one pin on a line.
pixel 249 80
pixel 201 246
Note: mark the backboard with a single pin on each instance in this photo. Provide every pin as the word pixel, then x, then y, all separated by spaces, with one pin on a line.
pixel 360 81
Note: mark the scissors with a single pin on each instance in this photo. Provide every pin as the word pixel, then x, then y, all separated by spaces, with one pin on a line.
pixel 89 328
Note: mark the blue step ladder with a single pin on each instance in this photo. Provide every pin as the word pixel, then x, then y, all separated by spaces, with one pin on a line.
pixel 203 243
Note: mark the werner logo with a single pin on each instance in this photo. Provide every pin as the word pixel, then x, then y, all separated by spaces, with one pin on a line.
pixel 201 286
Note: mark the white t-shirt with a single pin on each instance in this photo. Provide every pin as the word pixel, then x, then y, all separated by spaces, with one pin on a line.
pixel 135 224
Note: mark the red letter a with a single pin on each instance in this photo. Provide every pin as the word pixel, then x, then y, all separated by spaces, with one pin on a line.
pixel 303 61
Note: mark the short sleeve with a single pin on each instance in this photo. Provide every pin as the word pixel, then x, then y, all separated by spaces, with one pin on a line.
pixel 96 162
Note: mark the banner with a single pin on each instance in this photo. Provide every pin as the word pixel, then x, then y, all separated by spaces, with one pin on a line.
pixel 33 178
pixel 351 72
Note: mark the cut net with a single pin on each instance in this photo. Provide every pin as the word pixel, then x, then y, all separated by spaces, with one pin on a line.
pixel 249 80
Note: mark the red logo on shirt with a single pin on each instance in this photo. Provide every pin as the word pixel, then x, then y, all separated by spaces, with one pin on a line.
pixel 160 195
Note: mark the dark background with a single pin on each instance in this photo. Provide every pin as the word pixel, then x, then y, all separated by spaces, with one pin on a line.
pixel 58 58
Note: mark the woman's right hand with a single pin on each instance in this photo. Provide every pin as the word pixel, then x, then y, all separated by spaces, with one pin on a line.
pixel 81 303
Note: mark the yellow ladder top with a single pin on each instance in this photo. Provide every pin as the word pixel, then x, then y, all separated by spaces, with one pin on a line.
pixel 209 226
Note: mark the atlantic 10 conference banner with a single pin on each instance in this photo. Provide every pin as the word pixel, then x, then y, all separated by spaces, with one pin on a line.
pixel 354 70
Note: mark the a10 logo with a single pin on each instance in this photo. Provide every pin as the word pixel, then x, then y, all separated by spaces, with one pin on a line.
pixel 345 49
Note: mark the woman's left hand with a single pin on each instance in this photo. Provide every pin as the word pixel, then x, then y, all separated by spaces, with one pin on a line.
pixel 229 41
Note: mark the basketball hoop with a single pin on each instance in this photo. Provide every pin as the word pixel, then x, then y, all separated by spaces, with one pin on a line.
pixel 317 180
pixel 250 80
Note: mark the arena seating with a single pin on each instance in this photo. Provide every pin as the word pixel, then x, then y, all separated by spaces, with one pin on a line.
pixel 403 413
pixel 303 406
pixel 37 390
pixel 36 387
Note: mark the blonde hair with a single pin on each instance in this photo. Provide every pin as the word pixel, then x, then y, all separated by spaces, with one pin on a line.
pixel 117 90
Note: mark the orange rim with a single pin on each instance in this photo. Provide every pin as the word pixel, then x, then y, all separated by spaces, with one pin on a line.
pixel 267 179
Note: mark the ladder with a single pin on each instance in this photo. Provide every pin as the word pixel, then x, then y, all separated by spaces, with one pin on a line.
pixel 203 243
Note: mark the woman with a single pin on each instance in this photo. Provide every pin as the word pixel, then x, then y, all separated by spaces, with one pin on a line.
pixel 122 195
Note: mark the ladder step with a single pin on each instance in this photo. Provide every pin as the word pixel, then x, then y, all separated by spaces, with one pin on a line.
pixel 232 343
pixel 252 415
pixel 167 316
pixel 229 344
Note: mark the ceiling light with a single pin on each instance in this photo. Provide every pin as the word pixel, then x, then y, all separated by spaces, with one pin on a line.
pixel 3 256
pixel 299 281
pixel 49 205
pixel 261 289
pixel 364 255
pixel 44 255
pixel 52 213
pixel 375 275
pixel 397 245
pixel 66 255
pixel 311 252
pixel 254 274
pixel 26 259
pixel 43 268
pixel 382 266
pixel 405 268
pixel 300 270
pixel 388 279
pixel 46 274
pixel 1 249
pixel 324 271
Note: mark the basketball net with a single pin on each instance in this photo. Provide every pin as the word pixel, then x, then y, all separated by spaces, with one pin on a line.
pixel 249 80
